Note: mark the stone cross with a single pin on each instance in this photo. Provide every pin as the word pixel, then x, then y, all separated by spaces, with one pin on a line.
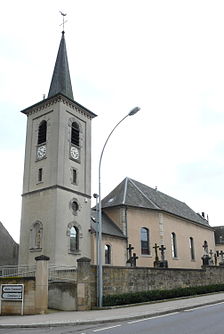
pixel 133 260
pixel 211 253
pixel 211 257
pixel 205 246
pixel 216 260
pixel 156 252
pixel 162 249
pixel 222 255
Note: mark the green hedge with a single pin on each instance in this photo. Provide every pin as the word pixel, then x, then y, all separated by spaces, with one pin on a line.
pixel 147 296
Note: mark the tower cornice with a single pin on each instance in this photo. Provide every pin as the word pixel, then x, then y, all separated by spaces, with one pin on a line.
pixel 56 186
pixel 55 99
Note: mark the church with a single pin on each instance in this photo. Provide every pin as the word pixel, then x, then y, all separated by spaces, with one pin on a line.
pixel 145 218
pixel 57 220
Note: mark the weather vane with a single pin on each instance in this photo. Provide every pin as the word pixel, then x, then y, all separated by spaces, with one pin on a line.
pixel 63 23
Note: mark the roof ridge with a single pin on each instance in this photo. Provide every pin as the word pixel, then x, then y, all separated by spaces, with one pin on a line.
pixel 148 199
pixel 125 189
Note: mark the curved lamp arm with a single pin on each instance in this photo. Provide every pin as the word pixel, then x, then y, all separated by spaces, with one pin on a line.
pixel 99 246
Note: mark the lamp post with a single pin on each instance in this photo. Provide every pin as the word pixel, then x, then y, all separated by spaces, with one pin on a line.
pixel 99 245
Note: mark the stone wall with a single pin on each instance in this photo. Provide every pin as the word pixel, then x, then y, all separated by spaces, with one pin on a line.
pixel 14 307
pixel 118 280
pixel 81 292
pixel 62 295
pixel 35 297
pixel 122 279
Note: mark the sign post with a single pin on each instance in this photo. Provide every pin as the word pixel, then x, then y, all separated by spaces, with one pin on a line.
pixel 12 292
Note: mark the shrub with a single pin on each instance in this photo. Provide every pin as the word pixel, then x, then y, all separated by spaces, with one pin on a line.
pixel 153 295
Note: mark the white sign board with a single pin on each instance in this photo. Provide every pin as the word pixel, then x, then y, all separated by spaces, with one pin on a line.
pixel 12 292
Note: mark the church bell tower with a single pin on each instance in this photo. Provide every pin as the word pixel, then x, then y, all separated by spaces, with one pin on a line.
pixel 56 199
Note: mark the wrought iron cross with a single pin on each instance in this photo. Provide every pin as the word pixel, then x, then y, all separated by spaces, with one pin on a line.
pixel 130 248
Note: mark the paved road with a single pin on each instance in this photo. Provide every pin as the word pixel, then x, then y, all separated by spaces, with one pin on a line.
pixel 204 319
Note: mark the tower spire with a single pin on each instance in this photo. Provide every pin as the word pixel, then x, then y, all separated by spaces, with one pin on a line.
pixel 61 81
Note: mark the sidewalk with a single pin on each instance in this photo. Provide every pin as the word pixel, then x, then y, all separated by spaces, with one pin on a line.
pixel 61 318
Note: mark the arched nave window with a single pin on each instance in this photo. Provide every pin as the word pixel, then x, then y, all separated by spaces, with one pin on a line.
pixel 107 250
pixel 174 244
pixel 145 247
pixel 191 244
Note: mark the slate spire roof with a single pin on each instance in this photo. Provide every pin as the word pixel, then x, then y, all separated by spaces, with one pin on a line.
pixel 135 194
pixel 61 81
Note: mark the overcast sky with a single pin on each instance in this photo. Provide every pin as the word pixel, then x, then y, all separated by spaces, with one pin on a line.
pixel 167 57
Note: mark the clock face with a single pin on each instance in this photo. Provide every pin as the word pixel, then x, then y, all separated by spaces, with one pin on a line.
pixel 74 153
pixel 41 152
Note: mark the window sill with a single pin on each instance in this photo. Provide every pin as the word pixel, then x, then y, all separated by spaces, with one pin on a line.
pixel 78 252
pixel 35 250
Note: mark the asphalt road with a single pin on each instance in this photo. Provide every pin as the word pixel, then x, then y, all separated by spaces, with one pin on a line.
pixel 205 319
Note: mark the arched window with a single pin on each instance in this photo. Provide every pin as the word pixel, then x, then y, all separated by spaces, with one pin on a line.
pixel 174 245
pixel 74 239
pixel 36 235
pixel 191 244
pixel 145 250
pixel 107 249
pixel 42 133
pixel 75 134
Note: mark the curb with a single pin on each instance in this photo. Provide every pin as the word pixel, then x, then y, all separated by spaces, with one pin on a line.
pixel 108 320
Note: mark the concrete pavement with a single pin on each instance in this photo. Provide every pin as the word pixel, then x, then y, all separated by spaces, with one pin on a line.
pixel 62 318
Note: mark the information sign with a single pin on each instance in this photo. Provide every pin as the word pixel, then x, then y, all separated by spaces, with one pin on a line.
pixel 12 292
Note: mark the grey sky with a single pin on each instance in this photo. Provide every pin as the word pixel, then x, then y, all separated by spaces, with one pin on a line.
pixel 165 56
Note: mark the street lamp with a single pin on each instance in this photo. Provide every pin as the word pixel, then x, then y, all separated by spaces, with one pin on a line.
pixel 99 245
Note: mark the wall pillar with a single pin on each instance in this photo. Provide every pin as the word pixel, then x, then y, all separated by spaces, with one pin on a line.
pixel 83 284
pixel 41 294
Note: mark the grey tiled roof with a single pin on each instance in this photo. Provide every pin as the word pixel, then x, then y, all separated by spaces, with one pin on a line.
pixel 133 193
pixel 219 235
pixel 108 226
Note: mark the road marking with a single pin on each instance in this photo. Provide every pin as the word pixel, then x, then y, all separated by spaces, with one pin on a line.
pixel 200 307
pixel 156 317
pixel 105 328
